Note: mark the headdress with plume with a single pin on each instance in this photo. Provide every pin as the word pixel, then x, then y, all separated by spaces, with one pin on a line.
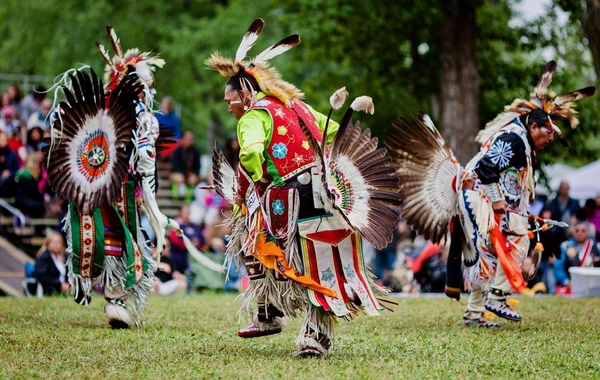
pixel 144 63
pixel 540 98
pixel 267 77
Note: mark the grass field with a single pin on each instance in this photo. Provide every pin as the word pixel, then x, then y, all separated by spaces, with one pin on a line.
pixel 195 337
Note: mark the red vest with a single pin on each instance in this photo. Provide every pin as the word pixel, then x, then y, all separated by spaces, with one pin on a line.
pixel 287 151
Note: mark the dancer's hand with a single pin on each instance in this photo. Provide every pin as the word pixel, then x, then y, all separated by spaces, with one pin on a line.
pixel 500 207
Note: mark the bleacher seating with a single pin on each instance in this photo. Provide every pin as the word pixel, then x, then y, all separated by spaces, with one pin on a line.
pixel 31 236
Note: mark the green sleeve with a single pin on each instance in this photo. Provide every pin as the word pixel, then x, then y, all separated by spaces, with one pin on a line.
pixel 321 120
pixel 254 133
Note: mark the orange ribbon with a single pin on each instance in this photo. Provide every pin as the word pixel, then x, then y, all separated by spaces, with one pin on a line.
pixel 511 268
pixel 272 257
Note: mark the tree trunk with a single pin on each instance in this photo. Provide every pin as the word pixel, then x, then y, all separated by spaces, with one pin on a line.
pixel 460 80
pixel 590 22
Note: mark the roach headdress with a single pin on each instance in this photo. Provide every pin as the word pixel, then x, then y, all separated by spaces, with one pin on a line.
pixel 540 98
pixel 144 63
pixel 268 78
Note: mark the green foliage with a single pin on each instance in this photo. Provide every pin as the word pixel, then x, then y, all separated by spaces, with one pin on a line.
pixel 194 337
pixel 388 50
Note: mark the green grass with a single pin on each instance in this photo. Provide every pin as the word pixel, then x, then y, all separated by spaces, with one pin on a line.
pixel 195 337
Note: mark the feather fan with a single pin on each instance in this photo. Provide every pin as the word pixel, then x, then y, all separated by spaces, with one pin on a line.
pixel 89 160
pixel 428 172
pixel 359 181
pixel 225 178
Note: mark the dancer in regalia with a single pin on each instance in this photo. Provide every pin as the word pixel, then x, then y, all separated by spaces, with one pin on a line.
pixel 101 157
pixel 486 201
pixel 301 206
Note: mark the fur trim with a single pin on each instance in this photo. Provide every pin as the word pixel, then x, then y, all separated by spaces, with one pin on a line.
pixel 278 323
pixel 268 78
pixel 115 312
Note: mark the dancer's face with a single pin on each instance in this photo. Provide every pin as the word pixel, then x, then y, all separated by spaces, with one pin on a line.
pixel 541 136
pixel 236 104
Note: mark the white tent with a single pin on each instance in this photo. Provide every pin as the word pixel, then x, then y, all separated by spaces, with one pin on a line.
pixel 585 181
pixel 555 173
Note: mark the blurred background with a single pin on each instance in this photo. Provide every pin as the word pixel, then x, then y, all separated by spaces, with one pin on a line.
pixel 461 61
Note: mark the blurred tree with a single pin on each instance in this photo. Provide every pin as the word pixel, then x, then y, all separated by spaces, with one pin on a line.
pixel 397 52
pixel 460 77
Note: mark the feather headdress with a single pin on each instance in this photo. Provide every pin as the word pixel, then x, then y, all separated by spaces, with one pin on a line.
pixel 267 77
pixel 540 98
pixel 145 63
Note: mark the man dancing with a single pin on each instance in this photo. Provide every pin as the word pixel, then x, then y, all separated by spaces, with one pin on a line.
pixel 102 159
pixel 295 227
pixel 487 200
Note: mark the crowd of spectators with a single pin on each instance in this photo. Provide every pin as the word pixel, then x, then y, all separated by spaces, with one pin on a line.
pixel 412 265
pixel 24 123
pixel 407 264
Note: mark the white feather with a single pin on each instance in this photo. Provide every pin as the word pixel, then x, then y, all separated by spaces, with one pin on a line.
pixel 363 103
pixel 247 42
pixel 116 42
pixel 274 50
pixel 338 98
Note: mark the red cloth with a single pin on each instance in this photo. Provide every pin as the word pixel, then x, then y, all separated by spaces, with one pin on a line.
pixel 427 252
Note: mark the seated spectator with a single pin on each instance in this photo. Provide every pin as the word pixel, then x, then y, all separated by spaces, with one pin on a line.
pixel 50 268
pixel 578 251
pixel 167 280
pixel 40 118
pixel 186 167
pixel 35 136
pixel 9 165
pixel 179 254
pixel 16 144
pixel 28 197
pixel 32 102
pixel 593 212
pixel 8 120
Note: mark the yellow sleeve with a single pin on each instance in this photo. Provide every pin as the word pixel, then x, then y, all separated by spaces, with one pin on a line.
pixel 254 130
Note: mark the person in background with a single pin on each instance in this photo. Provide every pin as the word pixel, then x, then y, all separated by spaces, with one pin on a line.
pixel 384 261
pixel 9 121
pixel 32 102
pixel 14 93
pixel 563 207
pixel 35 136
pixel 551 252
pixel 9 165
pixel 40 119
pixel 232 151
pixel 593 212
pixel 186 167
pixel 179 253
pixel 167 116
pixel 16 144
pixel 50 268
pixel 168 281
pixel 28 197
pixel 579 251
